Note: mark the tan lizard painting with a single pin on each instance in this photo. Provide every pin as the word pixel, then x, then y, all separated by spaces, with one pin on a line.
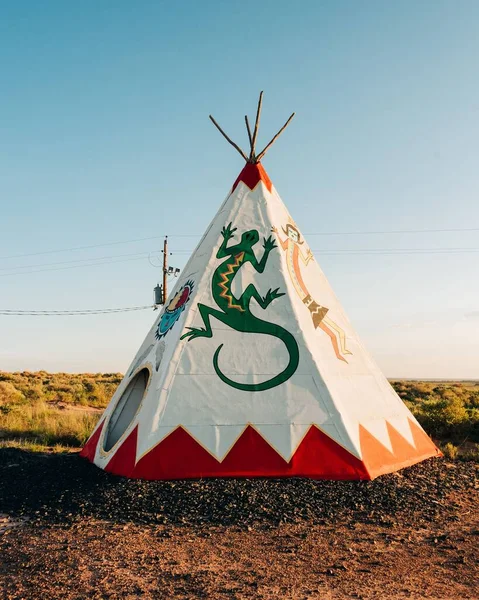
pixel 291 246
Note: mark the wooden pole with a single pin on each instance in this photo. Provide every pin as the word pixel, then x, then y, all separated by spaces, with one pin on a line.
pixel 268 146
pixel 256 125
pixel 165 269
pixel 250 137
pixel 228 139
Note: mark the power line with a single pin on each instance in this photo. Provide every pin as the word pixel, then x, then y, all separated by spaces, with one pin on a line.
pixel 63 313
pixel 78 260
pixel 383 251
pixel 398 251
pixel 321 233
pixel 395 231
pixel 319 253
pixel 75 248
pixel 110 262
pixel 112 259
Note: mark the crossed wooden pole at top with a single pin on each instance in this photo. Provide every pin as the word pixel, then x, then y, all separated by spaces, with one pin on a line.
pixel 253 157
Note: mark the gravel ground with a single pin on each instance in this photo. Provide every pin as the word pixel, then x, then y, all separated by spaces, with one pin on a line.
pixel 65 487
pixel 413 534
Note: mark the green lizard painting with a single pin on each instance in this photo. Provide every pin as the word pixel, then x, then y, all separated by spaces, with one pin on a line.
pixel 236 313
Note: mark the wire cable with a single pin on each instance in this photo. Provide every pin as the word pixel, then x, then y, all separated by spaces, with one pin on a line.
pixel 78 260
pixel 109 262
pixel 179 235
pixel 381 251
pixel 396 251
pixel 396 231
pixel 75 248
pixel 70 313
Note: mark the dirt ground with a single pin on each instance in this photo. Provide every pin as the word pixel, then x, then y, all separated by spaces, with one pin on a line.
pixel 410 535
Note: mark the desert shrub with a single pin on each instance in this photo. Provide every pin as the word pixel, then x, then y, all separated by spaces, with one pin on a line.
pixel 447 411
pixel 78 389
pixel 32 394
pixel 9 394
pixel 413 392
pixel 471 453
pixel 473 400
pixel 450 451
pixel 6 376
pixel 443 418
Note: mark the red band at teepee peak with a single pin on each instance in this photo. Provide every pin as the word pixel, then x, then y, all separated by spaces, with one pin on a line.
pixel 251 175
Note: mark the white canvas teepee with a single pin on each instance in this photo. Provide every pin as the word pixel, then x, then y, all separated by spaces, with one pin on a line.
pixel 252 368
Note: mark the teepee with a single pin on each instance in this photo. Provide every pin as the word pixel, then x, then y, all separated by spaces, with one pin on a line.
pixel 252 368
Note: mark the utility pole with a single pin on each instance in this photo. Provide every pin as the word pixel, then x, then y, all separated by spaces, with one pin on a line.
pixel 165 269
pixel 161 291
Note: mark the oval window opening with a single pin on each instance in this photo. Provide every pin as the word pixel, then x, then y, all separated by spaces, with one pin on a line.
pixel 126 409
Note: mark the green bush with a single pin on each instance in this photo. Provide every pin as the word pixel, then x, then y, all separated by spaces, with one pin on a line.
pixel 447 411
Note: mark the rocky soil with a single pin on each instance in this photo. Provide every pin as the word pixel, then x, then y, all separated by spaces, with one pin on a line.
pixel 71 531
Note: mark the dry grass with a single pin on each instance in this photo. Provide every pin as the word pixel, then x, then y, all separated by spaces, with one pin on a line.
pixel 32 446
pixel 38 425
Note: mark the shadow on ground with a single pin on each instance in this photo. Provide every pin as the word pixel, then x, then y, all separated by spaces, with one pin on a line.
pixel 65 487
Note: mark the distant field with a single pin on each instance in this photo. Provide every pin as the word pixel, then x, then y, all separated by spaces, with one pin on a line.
pixel 57 411
pixel 467 383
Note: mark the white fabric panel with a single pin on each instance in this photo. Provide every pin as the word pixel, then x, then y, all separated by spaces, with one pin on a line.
pixel 401 425
pixel 217 440
pixel 285 439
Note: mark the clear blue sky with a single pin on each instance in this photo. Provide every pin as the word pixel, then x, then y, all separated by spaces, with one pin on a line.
pixel 104 137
